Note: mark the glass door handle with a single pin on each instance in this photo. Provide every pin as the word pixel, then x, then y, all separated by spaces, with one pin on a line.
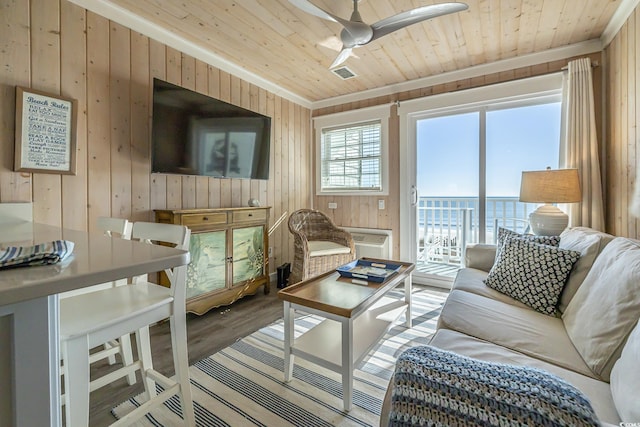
pixel 414 195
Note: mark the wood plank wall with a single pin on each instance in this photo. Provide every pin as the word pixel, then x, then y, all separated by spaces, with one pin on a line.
pixel 61 48
pixel 58 47
pixel 363 211
pixel 623 136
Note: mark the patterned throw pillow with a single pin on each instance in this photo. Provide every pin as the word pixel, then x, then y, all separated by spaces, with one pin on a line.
pixel 506 234
pixel 437 387
pixel 533 274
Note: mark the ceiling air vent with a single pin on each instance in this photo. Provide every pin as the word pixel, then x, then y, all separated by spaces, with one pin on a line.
pixel 344 73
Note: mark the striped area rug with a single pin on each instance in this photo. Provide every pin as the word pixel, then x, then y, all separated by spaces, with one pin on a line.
pixel 242 385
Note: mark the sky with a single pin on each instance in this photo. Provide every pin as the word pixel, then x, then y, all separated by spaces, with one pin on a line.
pixel 518 139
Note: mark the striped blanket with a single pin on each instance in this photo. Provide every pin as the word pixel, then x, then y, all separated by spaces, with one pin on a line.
pixel 40 254
pixel 433 387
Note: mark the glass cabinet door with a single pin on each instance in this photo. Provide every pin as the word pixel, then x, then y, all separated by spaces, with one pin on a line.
pixel 207 270
pixel 248 253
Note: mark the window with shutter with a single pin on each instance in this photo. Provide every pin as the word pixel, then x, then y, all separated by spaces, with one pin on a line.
pixel 352 150
pixel 351 157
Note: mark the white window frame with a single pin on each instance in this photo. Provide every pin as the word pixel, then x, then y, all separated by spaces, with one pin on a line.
pixel 379 113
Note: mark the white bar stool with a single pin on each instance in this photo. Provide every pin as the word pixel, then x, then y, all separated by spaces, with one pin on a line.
pixel 117 228
pixel 94 318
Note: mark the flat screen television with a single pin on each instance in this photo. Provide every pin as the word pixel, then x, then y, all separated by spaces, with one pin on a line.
pixel 195 134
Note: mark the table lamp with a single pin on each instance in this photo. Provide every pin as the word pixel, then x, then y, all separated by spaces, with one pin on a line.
pixel 549 186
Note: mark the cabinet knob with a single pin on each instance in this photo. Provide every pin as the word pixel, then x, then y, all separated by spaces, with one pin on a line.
pixel 205 218
pixel 250 214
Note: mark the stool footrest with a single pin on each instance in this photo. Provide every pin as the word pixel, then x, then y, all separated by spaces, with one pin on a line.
pixel 150 404
pixel 115 375
pixel 103 354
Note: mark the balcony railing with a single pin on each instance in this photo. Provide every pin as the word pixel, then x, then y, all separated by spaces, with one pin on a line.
pixel 447 224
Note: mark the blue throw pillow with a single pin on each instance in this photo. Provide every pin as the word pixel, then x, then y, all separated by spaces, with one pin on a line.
pixel 434 387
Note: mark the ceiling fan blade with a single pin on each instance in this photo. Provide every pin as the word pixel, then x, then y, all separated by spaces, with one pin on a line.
pixel 404 19
pixel 307 6
pixel 342 56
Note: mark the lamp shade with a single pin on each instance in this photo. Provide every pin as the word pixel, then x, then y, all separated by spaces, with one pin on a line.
pixel 550 186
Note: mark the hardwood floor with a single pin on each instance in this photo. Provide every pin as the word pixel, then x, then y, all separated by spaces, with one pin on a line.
pixel 207 334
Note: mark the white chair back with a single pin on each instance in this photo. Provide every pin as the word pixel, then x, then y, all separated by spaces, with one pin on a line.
pixel 178 235
pixel 166 233
pixel 112 227
pixel 115 227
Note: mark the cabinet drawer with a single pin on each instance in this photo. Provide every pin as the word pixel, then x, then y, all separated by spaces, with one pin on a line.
pixel 204 219
pixel 246 216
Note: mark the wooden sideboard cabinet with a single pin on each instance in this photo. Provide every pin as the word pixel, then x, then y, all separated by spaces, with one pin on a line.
pixel 228 253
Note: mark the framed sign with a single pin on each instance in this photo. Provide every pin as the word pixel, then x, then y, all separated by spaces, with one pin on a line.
pixel 45 132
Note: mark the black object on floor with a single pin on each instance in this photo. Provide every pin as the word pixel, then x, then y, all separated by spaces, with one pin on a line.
pixel 283 274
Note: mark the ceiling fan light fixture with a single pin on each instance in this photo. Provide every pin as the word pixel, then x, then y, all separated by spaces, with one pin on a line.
pixel 344 73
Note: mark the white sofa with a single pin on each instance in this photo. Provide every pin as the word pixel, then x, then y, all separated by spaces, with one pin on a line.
pixel 597 318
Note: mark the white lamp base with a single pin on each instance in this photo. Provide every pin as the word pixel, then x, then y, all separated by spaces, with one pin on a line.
pixel 548 220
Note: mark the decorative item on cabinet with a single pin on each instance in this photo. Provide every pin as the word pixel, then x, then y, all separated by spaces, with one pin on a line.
pixel 228 259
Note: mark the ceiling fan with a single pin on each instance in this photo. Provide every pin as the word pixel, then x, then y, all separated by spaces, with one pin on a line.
pixel 356 33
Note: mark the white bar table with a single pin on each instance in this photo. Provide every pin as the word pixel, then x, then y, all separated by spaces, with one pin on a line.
pixel 30 295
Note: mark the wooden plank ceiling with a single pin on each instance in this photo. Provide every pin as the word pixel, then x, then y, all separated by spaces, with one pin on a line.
pixel 292 49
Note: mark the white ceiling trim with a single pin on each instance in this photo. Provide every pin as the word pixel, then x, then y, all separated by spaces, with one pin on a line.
pixel 620 16
pixel 136 23
pixel 582 48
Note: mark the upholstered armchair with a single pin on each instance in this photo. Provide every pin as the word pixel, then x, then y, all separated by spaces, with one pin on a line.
pixel 319 246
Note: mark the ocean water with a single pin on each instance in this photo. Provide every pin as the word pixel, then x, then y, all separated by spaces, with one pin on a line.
pixel 445 215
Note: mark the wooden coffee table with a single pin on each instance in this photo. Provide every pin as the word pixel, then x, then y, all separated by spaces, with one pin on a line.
pixel 357 316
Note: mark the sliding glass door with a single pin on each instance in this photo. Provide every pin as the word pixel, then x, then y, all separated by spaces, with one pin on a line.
pixel 464 168
pixel 447 153
pixel 517 139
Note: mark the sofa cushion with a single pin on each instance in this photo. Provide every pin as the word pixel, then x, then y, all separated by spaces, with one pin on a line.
pixel 480 256
pixel 431 384
pixel 606 307
pixel 532 273
pixel 598 392
pixel 589 243
pixel 472 280
pixel 517 328
pixel 505 234
pixel 625 379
